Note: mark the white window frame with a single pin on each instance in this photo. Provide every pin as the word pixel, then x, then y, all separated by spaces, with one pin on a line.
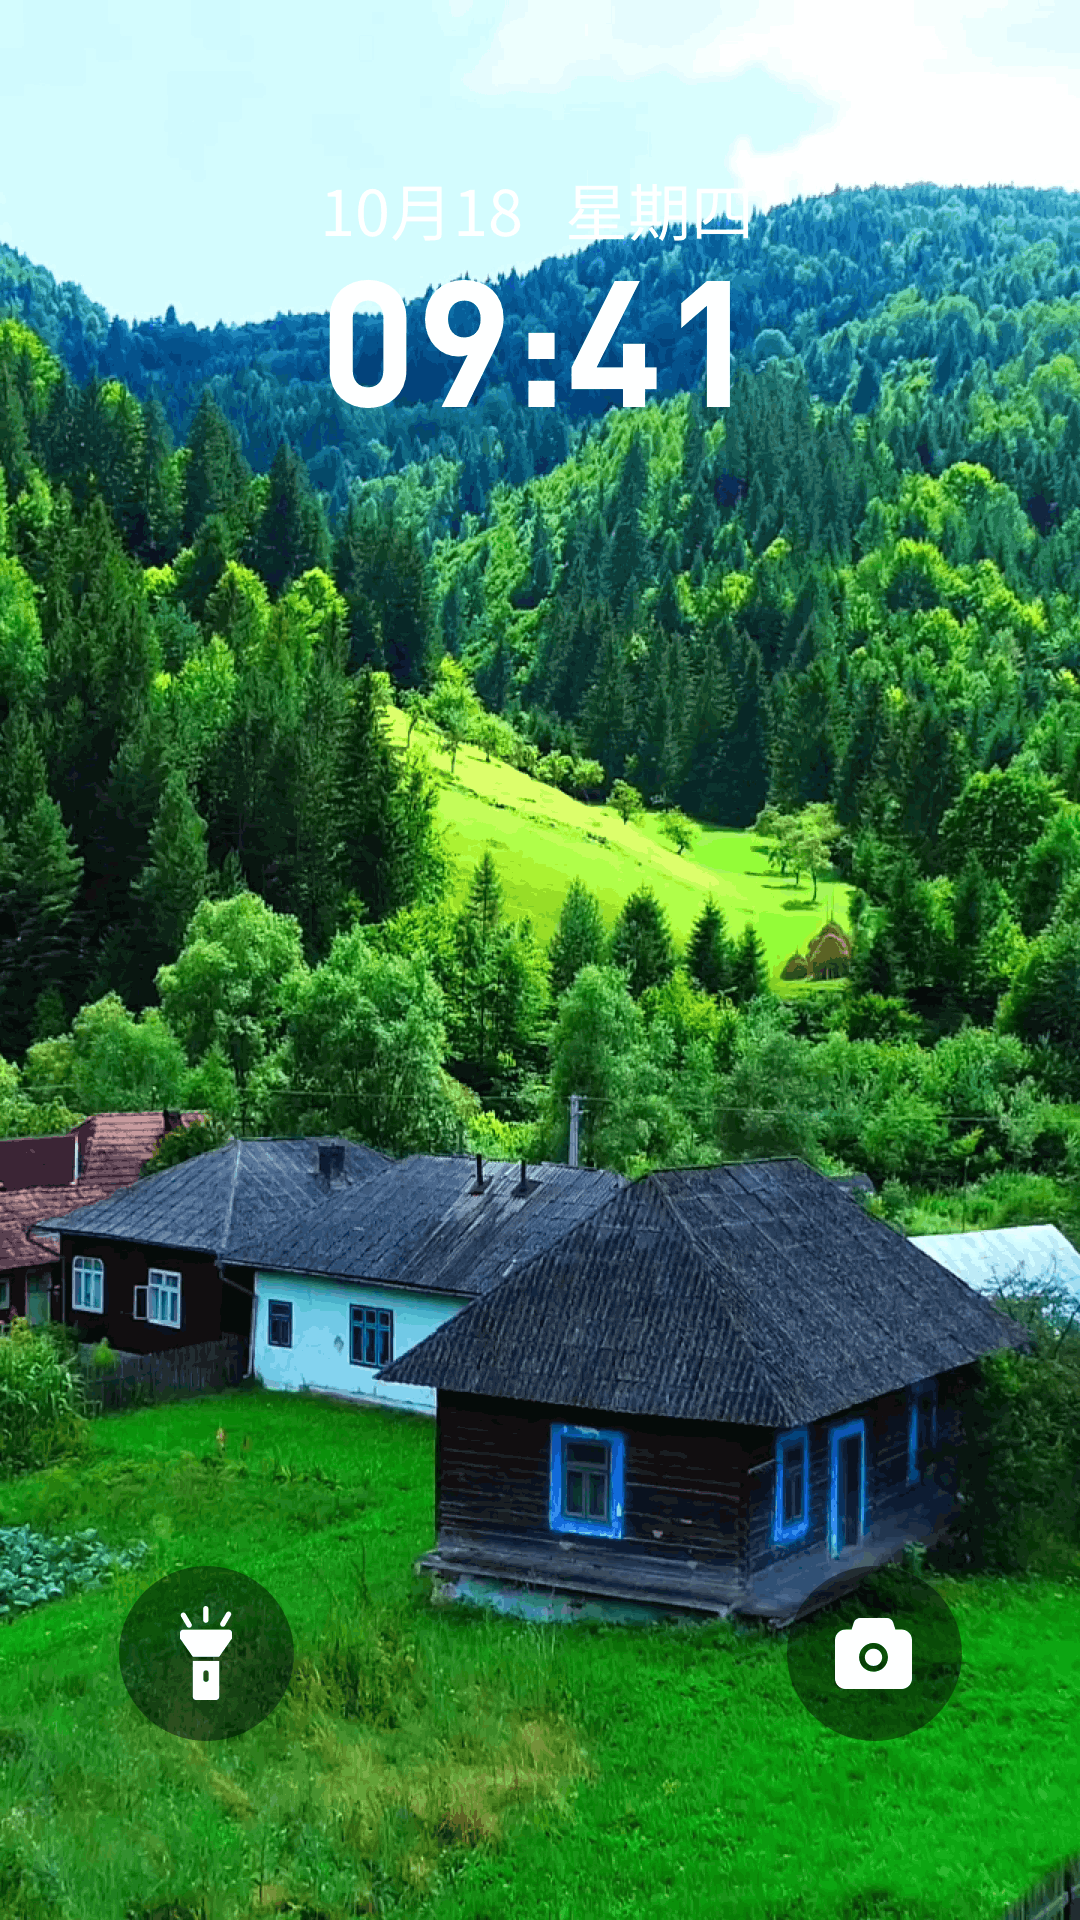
pixel 87 1267
pixel 163 1283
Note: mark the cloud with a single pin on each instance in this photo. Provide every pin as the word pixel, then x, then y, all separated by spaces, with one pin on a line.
pixel 965 91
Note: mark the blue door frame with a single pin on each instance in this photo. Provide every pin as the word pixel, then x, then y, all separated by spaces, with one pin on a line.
pixel 851 1430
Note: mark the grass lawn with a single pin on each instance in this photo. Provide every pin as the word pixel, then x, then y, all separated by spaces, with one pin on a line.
pixel 454 1766
pixel 541 839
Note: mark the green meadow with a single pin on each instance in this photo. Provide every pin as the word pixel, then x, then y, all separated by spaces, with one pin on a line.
pixel 541 839
pixel 444 1764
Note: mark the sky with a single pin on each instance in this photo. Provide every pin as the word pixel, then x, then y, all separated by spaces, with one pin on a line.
pixel 189 155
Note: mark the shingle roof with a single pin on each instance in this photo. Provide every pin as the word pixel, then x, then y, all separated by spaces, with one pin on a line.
pixel 757 1294
pixel 426 1227
pixel 18 1211
pixel 994 1257
pixel 204 1203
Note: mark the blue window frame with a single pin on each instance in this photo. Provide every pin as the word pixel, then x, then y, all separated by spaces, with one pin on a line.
pixel 922 1428
pixel 791 1511
pixel 279 1328
pixel 587 1481
pixel 847 1485
pixel 372 1331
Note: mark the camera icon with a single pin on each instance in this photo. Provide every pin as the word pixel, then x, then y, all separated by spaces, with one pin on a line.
pixel 873 1654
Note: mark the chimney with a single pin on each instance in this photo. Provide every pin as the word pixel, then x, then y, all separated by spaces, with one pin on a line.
pixel 171 1118
pixel 523 1183
pixel 331 1160
pixel 479 1187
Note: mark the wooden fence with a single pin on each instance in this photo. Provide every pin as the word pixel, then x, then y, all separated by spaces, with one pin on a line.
pixel 133 1377
pixel 1058 1898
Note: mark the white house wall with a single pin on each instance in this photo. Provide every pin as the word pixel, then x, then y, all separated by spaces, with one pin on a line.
pixel 319 1355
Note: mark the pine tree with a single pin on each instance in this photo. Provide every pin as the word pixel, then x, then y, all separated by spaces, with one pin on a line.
pixel 173 880
pixel 40 874
pixel 292 535
pixel 749 967
pixel 216 476
pixel 475 935
pixel 641 942
pixel 709 955
pixel 579 939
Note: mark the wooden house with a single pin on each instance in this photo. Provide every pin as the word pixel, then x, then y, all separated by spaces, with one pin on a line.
pixel 326 1257
pixel 344 1288
pixel 727 1387
pixel 151 1268
pixel 54 1174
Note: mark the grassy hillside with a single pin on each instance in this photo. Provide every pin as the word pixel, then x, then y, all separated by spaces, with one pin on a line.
pixel 541 839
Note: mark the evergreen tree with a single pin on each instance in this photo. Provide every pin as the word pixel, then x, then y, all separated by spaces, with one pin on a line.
pixel 40 873
pixel 173 880
pixel 749 967
pixel 292 535
pixel 641 942
pixel 709 956
pixel 579 939
pixel 386 580
pixel 216 474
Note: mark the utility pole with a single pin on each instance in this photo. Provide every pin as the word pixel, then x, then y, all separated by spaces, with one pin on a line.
pixel 576 1104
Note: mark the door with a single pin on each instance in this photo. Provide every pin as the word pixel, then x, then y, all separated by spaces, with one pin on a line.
pixel 38 1302
pixel 847 1486
pixel 850 1490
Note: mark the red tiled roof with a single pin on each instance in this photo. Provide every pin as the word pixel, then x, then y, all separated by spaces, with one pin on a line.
pixel 112 1148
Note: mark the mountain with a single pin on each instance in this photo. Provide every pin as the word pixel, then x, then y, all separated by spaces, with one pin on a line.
pixel 850 283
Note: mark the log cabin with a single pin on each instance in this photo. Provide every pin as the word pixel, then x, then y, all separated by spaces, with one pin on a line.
pixel 726 1389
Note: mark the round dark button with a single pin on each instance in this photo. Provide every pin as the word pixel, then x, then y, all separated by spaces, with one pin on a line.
pixel 876 1661
pixel 206 1653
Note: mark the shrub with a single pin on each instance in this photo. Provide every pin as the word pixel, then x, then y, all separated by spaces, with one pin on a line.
pixel 42 1404
pixel 1018 1466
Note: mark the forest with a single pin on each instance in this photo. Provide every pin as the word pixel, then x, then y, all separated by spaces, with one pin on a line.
pixel 851 597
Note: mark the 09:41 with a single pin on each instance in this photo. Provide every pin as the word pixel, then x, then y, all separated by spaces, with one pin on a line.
pixel 633 379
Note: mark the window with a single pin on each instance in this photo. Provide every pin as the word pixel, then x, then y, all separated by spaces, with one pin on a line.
pixel 159 1300
pixel 791 1516
pixel 87 1284
pixel 922 1428
pixel 586 1481
pixel 5 1294
pixel 280 1329
pixel 372 1336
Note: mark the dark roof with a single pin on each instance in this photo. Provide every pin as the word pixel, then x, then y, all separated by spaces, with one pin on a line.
pixel 756 1294
pixel 203 1203
pixel 426 1226
pixel 46 1161
pixel 111 1149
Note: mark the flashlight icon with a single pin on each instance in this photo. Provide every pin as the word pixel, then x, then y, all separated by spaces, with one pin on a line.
pixel 206 1645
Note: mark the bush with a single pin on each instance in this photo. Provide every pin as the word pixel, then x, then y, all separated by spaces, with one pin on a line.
pixel 1018 1466
pixel 42 1404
